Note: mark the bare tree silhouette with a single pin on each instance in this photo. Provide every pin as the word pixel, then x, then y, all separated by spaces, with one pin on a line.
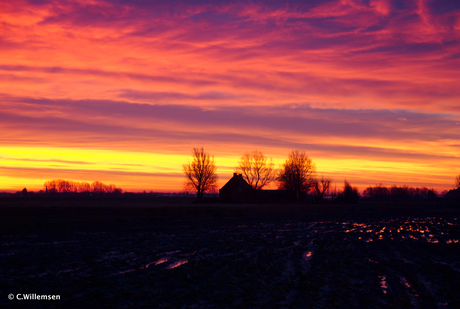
pixel 97 187
pixel 200 173
pixel 83 187
pixel 296 173
pixel 320 187
pixel 257 169
pixel 457 181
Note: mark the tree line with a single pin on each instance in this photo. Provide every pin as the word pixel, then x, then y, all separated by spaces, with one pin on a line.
pixel 296 174
pixel 380 191
pixel 60 186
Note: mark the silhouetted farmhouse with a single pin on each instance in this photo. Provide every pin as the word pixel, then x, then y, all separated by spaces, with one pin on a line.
pixel 454 193
pixel 237 190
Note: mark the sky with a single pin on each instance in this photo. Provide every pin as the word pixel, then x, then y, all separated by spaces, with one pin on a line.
pixel 122 91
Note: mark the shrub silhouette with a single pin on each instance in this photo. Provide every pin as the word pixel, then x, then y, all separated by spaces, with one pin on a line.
pixel 61 186
pixel 349 195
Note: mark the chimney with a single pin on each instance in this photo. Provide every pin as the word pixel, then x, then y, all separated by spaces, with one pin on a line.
pixel 234 174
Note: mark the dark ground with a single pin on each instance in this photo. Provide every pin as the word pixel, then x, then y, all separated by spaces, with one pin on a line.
pixel 135 254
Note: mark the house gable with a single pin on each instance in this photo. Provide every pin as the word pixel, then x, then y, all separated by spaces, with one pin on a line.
pixel 236 190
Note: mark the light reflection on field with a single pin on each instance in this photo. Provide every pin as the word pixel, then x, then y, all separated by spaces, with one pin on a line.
pixel 429 229
pixel 177 264
pixel 307 255
pixel 375 258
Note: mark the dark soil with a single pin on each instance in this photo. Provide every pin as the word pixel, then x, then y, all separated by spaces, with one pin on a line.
pixel 118 258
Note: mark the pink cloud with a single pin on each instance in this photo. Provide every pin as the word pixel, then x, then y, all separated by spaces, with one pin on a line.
pixel 233 73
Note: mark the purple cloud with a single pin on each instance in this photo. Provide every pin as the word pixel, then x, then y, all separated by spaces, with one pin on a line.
pixel 155 125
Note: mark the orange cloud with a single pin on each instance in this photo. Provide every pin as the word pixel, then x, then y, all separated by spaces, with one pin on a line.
pixel 375 82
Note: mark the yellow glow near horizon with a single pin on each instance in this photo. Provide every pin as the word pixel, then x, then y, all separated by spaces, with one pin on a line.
pixel 44 156
pixel 134 171
pixel 84 165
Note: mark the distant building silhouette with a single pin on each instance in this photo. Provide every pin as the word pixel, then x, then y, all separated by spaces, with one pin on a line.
pixel 454 193
pixel 237 190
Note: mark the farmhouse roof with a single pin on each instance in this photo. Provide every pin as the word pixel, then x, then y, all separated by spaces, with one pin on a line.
pixel 237 181
pixel 455 193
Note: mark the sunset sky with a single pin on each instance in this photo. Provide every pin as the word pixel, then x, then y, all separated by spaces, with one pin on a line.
pixel 121 91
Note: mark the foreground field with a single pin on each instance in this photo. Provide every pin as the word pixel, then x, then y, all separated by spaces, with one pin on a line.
pixel 343 260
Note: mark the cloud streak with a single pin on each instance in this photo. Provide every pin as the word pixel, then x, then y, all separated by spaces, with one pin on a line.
pixel 292 125
pixel 375 80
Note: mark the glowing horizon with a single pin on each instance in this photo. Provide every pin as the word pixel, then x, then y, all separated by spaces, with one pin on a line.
pixel 121 91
